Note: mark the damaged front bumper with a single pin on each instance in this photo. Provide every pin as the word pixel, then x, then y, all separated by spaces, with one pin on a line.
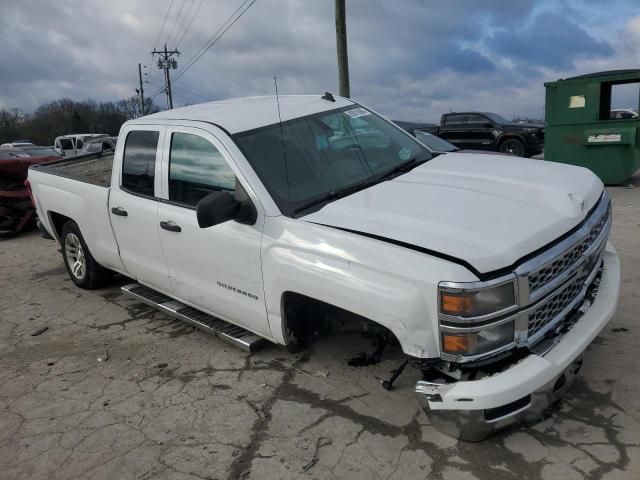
pixel 471 410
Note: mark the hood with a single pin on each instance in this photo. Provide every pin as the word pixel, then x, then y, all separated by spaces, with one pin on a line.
pixel 486 210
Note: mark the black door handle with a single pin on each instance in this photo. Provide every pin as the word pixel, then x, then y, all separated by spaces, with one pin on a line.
pixel 119 211
pixel 171 226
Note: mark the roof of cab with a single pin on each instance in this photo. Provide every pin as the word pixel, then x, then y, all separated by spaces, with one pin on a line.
pixel 242 114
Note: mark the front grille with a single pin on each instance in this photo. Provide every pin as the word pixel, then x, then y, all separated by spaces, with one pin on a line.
pixel 560 265
pixel 549 310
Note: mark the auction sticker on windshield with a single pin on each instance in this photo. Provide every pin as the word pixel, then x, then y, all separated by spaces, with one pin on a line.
pixel 358 112
pixel 404 153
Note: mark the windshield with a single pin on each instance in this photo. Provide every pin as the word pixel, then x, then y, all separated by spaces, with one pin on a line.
pixel 309 158
pixel 436 144
pixel 497 118
pixel 41 152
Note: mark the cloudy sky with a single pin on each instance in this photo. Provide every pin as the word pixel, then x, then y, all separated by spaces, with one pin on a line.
pixel 411 60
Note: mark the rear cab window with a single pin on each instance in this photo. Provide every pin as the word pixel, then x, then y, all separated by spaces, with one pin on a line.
pixel 139 162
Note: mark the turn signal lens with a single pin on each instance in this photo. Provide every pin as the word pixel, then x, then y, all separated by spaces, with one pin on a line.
pixel 456 343
pixel 478 342
pixel 457 304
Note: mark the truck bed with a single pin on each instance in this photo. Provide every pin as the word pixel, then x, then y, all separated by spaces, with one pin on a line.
pixel 93 168
pixel 77 189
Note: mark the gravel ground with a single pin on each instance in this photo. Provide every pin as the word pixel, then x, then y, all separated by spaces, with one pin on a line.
pixel 115 390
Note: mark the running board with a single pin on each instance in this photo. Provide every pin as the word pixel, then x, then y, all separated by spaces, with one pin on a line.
pixel 238 336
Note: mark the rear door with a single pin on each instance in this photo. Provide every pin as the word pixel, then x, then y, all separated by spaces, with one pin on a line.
pixel 454 130
pixel 216 269
pixel 133 205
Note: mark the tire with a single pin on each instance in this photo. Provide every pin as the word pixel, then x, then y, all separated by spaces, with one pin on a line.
pixel 512 146
pixel 82 268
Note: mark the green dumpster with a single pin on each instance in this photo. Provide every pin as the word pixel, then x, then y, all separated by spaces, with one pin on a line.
pixel 582 128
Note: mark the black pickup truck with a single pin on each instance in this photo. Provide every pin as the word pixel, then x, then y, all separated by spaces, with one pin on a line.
pixel 489 131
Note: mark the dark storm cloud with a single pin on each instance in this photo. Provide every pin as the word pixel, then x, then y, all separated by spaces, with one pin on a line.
pixel 550 40
pixel 412 59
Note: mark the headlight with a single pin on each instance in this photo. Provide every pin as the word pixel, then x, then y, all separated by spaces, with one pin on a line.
pixel 474 317
pixel 478 342
pixel 477 302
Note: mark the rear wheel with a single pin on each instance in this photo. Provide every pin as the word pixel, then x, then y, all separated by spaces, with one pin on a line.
pixel 84 271
pixel 512 146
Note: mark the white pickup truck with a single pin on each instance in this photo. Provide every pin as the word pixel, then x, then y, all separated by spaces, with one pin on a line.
pixel 247 219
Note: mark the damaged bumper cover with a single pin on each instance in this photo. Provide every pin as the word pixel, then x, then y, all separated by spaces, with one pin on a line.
pixel 471 410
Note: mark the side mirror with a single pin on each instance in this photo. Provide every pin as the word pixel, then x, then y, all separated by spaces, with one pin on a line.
pixel 220 207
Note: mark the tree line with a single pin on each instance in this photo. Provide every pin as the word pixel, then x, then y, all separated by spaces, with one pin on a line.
pixel 66 116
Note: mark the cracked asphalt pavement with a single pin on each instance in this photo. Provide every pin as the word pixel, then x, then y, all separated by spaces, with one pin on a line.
pixel 113 389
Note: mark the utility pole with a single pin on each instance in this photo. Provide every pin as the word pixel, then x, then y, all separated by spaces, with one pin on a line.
pixel 166 62
pixel 141 89
pixel 341 44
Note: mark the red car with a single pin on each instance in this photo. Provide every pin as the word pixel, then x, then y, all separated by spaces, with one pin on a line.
pixel 16 208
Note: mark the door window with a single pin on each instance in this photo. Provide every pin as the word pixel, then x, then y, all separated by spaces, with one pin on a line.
pixel 455 121
pixel 139 162
pixel 66 144
pixel 476 121
pixel 79 143
pixel 196 168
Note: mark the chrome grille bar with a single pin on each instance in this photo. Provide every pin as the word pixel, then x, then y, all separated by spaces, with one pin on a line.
pixel 552 268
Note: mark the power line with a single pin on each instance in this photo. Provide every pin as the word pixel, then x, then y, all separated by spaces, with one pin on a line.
pixel 212 40
pixel 179 74
pixel 195 91
pixel 166 15
pixel 199 91
pixel 190 96
pixel 190 22
pixel 172 39
pixel 203 47
pixel 175 22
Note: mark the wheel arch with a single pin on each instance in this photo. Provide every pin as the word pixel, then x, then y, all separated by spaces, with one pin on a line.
pixel 58 220
pixel 510 136
pixel 298 323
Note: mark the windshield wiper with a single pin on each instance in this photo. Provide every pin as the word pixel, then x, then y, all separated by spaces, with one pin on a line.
pixel 334 195
pixel 403 168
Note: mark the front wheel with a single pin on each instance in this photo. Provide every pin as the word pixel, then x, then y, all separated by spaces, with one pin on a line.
pixel 512 146
pixel 84 271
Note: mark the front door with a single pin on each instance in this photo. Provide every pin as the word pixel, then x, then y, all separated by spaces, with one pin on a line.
pixel 481 133
pixel 133 206
pixel 217 269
